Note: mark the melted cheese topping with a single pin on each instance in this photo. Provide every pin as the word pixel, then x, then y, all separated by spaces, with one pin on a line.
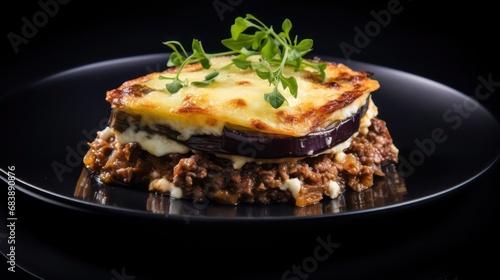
pixel 239 161
pixel 155 144
pixel 236 97
pixel 293 185
pixel 365 121
pixel 334 189
pixel 165 186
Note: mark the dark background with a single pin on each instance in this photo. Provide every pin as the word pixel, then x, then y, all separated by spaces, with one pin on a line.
pixel 452 44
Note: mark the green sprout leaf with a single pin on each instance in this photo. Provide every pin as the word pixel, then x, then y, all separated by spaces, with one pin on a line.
pixel 304 46
pixel 245 41
pixel 290 83
pixel 264 74
pixel 239 26
pixel 286 26
pixel 275 98
pixel 241 62
pixel 174 86
pixel 270 49
pixel 208 79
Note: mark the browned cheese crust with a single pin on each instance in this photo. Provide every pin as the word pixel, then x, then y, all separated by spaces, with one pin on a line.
pixel 319 106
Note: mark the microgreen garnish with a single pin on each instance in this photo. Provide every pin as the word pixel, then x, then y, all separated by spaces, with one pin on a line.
pixel 276 50
pixel 208 79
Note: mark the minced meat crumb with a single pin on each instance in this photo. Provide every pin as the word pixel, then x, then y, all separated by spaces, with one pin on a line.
pixel 202 176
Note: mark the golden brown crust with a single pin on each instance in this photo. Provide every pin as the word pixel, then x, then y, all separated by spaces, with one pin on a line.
pixel 236 98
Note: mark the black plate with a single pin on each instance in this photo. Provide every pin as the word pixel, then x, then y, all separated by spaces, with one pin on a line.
pixel 446 139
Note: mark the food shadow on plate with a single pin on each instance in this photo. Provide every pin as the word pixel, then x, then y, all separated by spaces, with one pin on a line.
pixel 388 190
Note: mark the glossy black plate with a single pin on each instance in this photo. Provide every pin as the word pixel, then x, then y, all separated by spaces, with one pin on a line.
pixel 446 139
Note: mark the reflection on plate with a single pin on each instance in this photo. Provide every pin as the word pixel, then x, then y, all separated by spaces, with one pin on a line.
pixel 387 190
pixel 441 149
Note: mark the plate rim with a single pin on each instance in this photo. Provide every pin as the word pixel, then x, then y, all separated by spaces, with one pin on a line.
pixel 87 206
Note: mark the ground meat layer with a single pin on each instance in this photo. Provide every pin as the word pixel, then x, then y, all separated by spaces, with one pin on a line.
pixel 202 176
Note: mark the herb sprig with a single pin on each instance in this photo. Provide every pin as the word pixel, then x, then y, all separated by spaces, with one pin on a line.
pixel 276 50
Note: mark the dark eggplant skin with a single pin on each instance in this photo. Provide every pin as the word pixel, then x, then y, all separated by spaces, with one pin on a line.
pixel 254 144
pixel 270 146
